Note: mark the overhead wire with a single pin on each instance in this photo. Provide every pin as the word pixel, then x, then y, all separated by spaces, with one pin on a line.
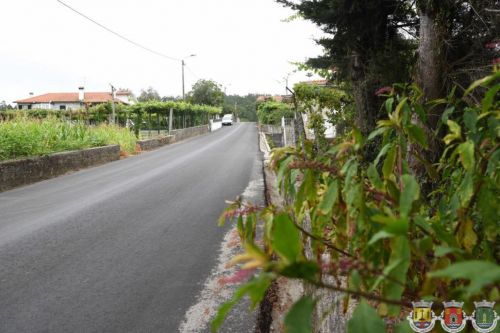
pixel 189 69
pixel 119 35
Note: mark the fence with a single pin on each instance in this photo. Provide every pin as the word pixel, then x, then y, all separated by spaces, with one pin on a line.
pixel 283 135
pixel 146 123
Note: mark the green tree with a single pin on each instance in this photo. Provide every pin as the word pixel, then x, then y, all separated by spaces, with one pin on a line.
pixel 370 44
pixel 206 92
pixel 364 46
pixel 243 106
pixel 271 112
pixel 149 94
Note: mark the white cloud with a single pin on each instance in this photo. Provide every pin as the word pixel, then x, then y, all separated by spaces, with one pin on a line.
pixel 243 45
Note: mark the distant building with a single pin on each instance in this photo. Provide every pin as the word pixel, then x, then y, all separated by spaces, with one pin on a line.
pixel 276 98
pixel 73 100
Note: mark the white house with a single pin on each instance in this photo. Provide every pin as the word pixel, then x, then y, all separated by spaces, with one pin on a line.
pixel 72 100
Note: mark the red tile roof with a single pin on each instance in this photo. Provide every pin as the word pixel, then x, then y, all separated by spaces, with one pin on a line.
pixel 89 97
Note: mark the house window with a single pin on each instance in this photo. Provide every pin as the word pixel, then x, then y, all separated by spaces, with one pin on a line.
pixel 29 107
pixel 62 107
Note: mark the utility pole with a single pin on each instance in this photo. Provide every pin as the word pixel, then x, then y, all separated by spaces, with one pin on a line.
pixel 182 61
pixel 113 104
pixel 184 64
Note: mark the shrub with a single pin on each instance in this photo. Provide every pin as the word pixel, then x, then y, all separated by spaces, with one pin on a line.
pixel 392 242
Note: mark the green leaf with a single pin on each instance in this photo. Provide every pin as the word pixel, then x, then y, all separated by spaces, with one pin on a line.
pixel 470 120
pixel 387 270
pixel 299 318
pixel 380 235
pixel 480 273
pixel 466 189
pixel 419 109
pixel 355 280
pixel 377 132
pixel 286 238
pixel 283 168
pixel 489 97
pixel 301 270
pixel 393 225
pixel 374 177
pixel 417 134
pixel 481 82
pixel 258 288
pixel 421 222
pixel 446 114
pixel 388 104
pixel 354 196
pixel 399 108
pixel 466 235
pixel 382 152
pixel 400 253
pixel 466 153
pixel 403 327
pixel 456 132
pixel 255 288
pixel 249 228
pixel 410 193
pixel 310 190
pixel 365 319
pixel 330 198
pixel 389 162
pixel 444 250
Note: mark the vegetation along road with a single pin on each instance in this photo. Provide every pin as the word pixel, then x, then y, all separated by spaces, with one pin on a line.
pixel 121 247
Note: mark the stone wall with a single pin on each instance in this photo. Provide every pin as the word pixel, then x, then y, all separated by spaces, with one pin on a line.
pixel 329 314
pixel 14 173
pixel 175 135
pixel 189 132
pixel 150 144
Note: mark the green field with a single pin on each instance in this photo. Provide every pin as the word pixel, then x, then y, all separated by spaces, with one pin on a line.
pixel 24 137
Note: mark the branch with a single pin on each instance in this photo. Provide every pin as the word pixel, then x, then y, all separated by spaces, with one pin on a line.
pixel 363 294
pixel 333 247
pixel 327 243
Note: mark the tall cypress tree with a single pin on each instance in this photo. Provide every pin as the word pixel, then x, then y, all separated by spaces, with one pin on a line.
pixel 366 46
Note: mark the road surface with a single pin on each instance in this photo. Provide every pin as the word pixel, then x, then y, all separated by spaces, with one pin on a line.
pixel 123 247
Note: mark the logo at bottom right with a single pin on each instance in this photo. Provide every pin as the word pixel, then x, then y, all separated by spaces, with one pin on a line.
pixel 484 318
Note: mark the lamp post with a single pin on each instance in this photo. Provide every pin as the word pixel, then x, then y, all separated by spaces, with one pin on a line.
pixel 183 64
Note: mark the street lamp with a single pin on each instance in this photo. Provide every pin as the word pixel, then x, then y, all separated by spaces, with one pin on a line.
pixel 183 64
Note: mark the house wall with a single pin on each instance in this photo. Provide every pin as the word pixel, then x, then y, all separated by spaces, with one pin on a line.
pixel 52 106
pixel 123 98
pixel 69 106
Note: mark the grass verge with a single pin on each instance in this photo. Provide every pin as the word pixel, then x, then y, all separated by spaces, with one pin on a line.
pixel 25 137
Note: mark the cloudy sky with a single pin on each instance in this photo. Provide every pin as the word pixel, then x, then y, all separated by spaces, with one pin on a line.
pixel 243 45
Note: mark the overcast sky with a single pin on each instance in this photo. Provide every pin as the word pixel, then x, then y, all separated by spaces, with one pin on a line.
pixel 242 44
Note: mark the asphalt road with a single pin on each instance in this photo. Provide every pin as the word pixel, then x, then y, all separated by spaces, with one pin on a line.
pixel 123 247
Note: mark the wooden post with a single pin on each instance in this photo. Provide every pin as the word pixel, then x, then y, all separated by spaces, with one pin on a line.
pixel 170 119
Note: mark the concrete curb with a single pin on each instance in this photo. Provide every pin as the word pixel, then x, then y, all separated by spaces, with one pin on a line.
pixel 15 173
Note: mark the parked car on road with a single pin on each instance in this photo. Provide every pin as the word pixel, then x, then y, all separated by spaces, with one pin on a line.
pixel 227 119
